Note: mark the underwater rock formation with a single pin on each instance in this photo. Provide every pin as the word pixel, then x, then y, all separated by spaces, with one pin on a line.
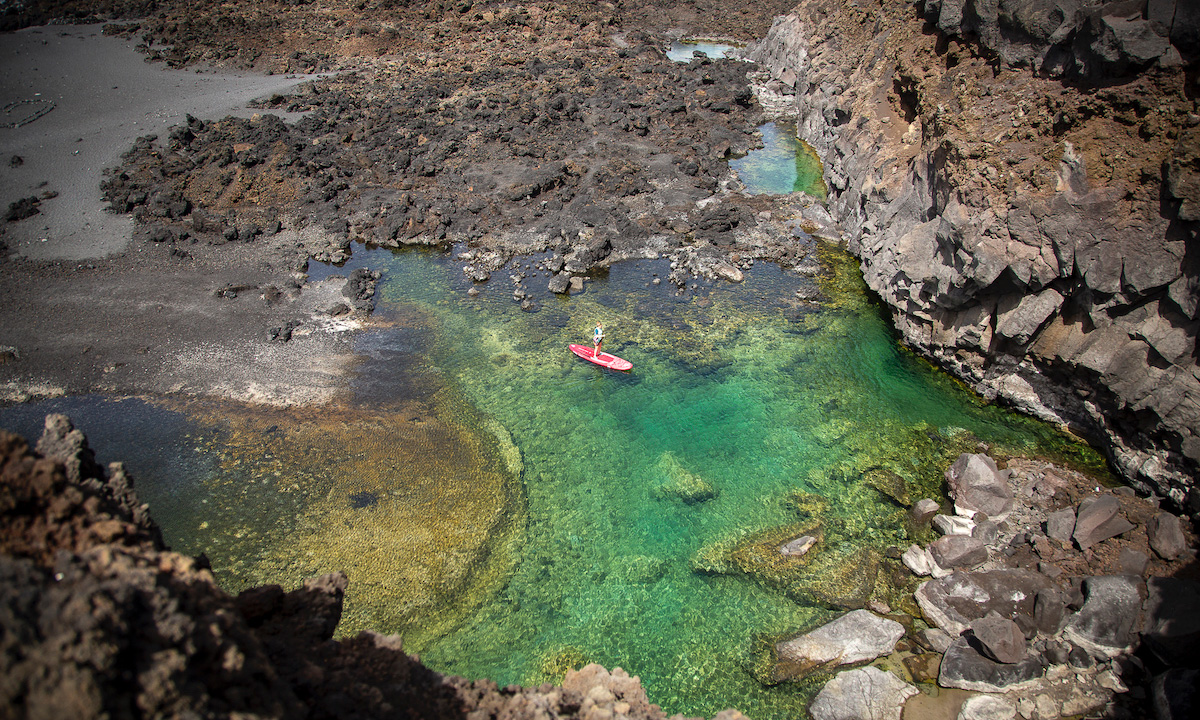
pixel 99 619
pixel 1020 185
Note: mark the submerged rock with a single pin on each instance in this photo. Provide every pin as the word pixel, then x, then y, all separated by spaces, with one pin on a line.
pixel 858 636
pixel 682 484
pixel 863 693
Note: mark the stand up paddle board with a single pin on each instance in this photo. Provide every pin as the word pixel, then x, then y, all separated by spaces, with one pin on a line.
pixel 611 362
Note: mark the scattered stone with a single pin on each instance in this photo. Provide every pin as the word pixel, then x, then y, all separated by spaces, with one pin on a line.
pixel 1166 535
pixel 858 636
pixel 1099 519
pixel 977 487
pixel 1107 623
pixel 953 525
pixel 923 511
pixel 935 639
pixel 958 551
pixel 1000 638
pixel 1060 524
pixel 560 283
pixel 866 692
pixel 918 559
pixel 986 532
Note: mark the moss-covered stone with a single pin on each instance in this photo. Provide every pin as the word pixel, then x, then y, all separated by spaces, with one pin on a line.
pixel 679 483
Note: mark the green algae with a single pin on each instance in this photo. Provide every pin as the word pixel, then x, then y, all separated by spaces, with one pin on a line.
pixel 515 512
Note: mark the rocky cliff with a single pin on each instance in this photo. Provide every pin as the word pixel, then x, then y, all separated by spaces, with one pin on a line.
pixel 1021 181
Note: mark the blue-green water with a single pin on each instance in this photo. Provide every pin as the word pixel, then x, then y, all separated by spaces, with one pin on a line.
pixel 785 164
pixel 604 553
pixel 681 51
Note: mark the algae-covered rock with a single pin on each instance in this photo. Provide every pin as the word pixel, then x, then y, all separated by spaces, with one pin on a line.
pixel 888 483
pixel 806 504
pixel 680 483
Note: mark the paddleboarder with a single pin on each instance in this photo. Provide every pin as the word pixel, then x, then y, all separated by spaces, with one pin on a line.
pixel 597 338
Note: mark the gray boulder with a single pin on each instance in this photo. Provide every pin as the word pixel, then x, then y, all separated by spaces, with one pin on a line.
pixel 867 693
pixel 1099 518
pixel 560 283
pixel 1171 624
pixel 1133 562
pixel 1060 524
pixel 986 532
pixel 1166 535
pixel 978 487
pixel 953 603
pixel 1108 622
pixel 1049 610
pixel 1000 638
pixel 966 668
pixel 958 551
pixel 858 636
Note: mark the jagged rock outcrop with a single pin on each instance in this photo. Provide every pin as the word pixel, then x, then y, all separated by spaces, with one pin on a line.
pixel 1032 228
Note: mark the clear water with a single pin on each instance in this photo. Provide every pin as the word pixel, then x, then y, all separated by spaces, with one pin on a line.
pixel 785 164
pixel 515 511
pixel 681 51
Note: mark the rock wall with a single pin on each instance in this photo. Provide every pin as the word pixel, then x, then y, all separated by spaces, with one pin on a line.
pixel 1021 182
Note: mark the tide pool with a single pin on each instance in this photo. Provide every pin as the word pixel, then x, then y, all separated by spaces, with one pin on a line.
pixel 515 511
pixel 785 164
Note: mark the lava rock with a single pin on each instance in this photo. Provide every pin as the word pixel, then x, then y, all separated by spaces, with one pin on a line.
pixel 1060 524
pixel 858 636
pixel 977 486
pixel 1099 519
pixel 958 551
pixel 1166 535
pixel 965 667
pixel 1000 638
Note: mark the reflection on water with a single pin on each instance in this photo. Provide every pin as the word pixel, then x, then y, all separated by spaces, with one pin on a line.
pixel 515 511
pixel 785 164
pixel 684 50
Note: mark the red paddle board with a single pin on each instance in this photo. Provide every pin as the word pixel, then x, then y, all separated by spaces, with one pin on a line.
pixel 611 362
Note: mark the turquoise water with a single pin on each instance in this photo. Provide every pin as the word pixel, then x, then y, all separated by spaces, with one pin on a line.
pixel 682 51
pixel 649 504
pixel 785 164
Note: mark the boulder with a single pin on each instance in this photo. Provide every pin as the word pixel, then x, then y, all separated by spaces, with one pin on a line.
pixel 1108 622
pixel 1171 624
pixel 1099 518
pixel 1060 524
pixel 958 551
pixel 1049 610
pixel 560 283
pixel 1000 638
pixel 866 692
pixel 977 486
pixel 986 707
pixel 1166 535
pixel 953 603
pixel 918 559
pixel 966 668
pixel 953 524
pixel 858 636
pixel 923 510
pixel 986 532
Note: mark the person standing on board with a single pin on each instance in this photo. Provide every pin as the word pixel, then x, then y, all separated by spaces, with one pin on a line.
pixel 597 338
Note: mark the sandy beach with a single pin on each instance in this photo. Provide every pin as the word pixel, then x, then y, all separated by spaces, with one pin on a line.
pixel 98 95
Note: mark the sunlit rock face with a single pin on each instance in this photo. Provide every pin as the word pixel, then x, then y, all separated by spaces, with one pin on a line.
pixel 1029 225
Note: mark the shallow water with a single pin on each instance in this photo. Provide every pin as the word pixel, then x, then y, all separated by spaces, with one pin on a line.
pixel 785 164
pixel 681 51
pixel 515 511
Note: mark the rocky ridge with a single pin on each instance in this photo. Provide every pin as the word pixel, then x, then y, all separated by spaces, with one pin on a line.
pixel 1019 184
pixel 100 620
